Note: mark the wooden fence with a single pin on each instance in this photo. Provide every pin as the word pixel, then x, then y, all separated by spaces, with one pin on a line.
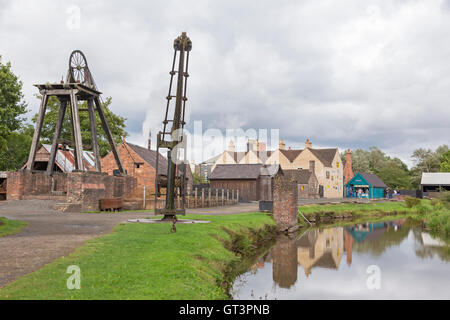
pixel 196 198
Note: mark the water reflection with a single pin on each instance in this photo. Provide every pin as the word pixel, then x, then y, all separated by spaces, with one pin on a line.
pixel 397 246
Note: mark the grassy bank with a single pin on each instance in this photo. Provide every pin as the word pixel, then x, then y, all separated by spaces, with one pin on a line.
pixel 10 227
pixel 437 214
pixel 331 212
pixel 142 261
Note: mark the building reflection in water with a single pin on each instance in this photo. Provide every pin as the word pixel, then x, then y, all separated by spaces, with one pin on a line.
pixel 320 249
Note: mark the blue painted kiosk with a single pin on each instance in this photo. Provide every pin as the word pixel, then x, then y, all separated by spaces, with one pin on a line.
pixel 365 185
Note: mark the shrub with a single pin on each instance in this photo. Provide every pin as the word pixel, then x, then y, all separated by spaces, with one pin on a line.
pixel 421 209
pixel 444 198
pixel 411 202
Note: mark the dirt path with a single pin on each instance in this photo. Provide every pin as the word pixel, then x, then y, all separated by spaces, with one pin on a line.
pixel 52 234
pixel 49 235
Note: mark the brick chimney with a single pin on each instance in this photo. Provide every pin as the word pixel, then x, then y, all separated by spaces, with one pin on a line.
pixel 308 144
pixel 348 170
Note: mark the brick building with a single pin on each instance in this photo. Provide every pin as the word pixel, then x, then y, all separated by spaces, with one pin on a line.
pixel 140 163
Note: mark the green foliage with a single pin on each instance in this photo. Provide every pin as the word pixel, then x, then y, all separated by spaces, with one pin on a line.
pixel 116 124
pixel 12 105
pixel 199 179
pixel 412 202
pixel 445 162
pixel 16 149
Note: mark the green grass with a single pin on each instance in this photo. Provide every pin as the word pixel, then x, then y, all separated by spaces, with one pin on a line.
pixel 357 209
pixel 146 261
pixel 10 227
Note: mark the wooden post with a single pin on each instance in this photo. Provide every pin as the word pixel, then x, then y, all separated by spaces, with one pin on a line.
pixel 232 196
pixel 37 132
pixel 188 197
pixel 217 197
pixel 93 125
pixel 237 197
pixel 209 197
pixel 145 200
pixel 77 131
pixel 223 197
pixel 195 197
pixel 59 124
pixel 203 197
pixel 108 134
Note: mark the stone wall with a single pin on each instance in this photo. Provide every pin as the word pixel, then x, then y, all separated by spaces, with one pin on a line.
pixel 285 203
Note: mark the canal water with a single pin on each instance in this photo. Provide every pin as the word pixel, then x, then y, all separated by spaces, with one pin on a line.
pixel 383 260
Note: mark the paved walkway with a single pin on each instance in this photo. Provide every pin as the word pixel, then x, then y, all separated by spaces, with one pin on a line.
pixel 52 234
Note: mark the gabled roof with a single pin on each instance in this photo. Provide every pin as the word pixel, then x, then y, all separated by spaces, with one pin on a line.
pixel 302 176
pixel 291 155
pixel 236 172
pixel 326 156
pixel 270 170
pixel 435 178
pixel 149 156
pixel 370 178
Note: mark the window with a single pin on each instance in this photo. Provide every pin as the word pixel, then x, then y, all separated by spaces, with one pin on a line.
pixel 138 165
pixel 338 164
pixel 328 174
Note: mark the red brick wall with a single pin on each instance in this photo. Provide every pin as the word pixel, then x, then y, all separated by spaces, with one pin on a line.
pixel 27 184
pixel 285 203
pixel 145 175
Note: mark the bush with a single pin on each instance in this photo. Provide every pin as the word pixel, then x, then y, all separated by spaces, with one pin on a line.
pixel 421 209
pixel 411 202
pixel 444 198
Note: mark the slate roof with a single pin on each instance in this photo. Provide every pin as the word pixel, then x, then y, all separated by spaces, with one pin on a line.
pixel 326 156
pixel 436 178
pixel 149 156
pixel 236 172
pixel 373 179
pixel 302 176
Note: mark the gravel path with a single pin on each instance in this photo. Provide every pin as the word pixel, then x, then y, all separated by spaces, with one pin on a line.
pixel 51 234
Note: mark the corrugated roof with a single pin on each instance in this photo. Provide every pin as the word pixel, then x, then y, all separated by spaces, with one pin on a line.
pixel 236 172
pixel 435 178
pixel 65 159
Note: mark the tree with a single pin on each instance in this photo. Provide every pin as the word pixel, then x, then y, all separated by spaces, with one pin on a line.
pixel 18 144
pixel 445 162
pixel 116 124
pixel 426 160
pixel 12 106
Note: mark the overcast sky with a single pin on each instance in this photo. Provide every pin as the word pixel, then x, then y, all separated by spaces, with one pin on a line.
pixel 347 74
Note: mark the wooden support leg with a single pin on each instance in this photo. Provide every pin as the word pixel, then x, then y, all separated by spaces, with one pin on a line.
pixel 59 124
pixel 109 135
pixel 37 133
pixel 93 124
pixel 76 132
